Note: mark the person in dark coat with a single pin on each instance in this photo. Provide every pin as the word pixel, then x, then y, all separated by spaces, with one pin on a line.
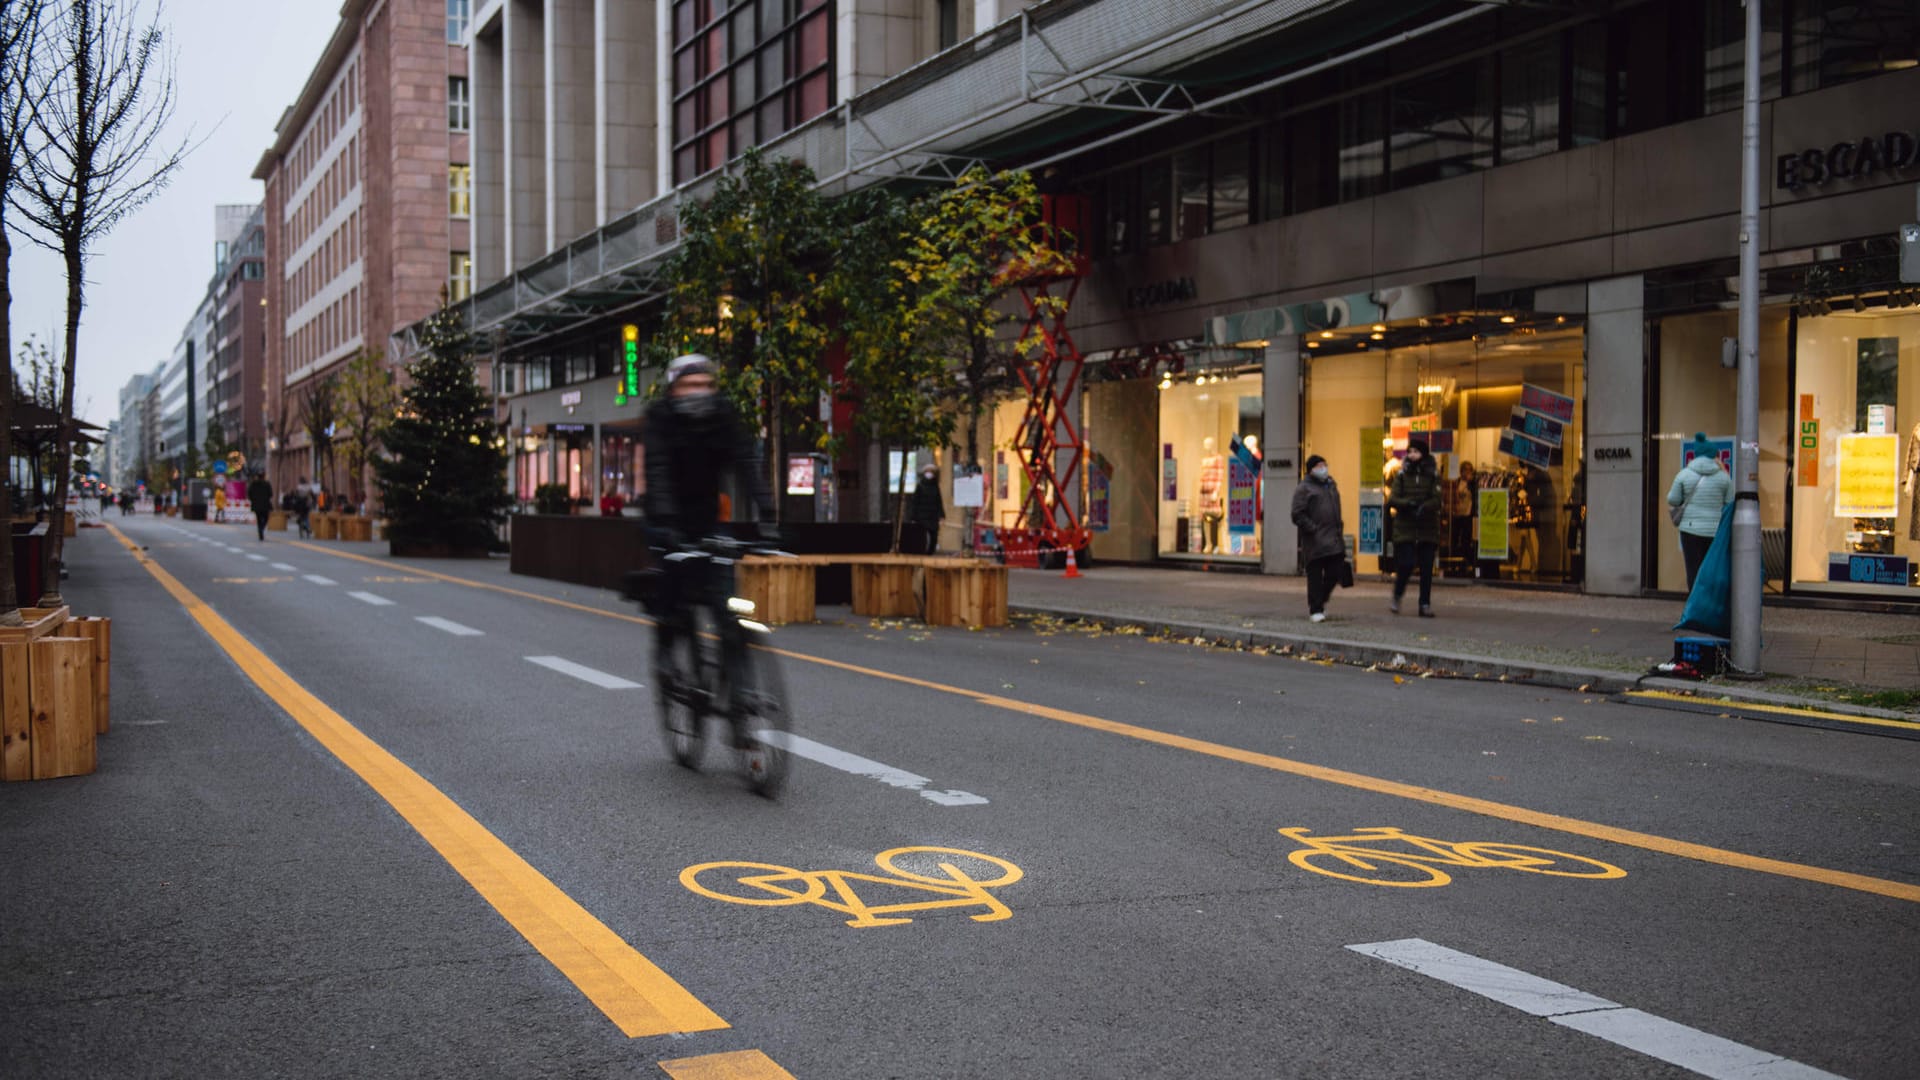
pixel 260 495
pixel 1323 543
pixel 928 508
pixel 1414 498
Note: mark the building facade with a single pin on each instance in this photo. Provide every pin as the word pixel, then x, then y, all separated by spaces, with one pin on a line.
pixel 233 367
pixel 367 198
pixel 135 414
pixel 1330 228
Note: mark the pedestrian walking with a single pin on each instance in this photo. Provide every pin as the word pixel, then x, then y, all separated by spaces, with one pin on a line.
pixel 1414 498
pixel 260 494
pixel 1323 541
pixel 929 509
pixel 220 502
pixel 1700 491
pixel 301 507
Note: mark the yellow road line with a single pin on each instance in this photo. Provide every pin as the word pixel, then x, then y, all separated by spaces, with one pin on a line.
pixel 739 1065
pixel 1485 807
pixel 635 994
pixel 1782 710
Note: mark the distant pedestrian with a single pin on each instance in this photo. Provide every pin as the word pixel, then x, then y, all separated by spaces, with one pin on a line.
pixel 1700 491
pixel 220 502
pixel 1323 541
pixel 301 507
pixel 260 494
pixel 1415 500
pixel 929 509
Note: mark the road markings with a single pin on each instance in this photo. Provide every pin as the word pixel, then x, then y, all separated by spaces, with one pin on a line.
pixel 1675 1044
pixel 1419 858
pixel 250 580
pixel 319 580
pixel 1790 712
pixel 370 598
pixel 284 566
pixel 738 1065
pixel 1485 807
pixel 584 673
pixel 631 990
pixel 800 746
pixel 258 558
pixel 451 627
pixel 767 885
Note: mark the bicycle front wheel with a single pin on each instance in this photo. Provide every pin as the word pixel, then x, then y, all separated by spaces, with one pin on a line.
pixel 760 701
pixel 1533 860
pixel 678 682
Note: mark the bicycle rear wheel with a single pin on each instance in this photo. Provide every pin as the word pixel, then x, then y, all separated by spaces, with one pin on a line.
pixel 678 680
pixel 760 701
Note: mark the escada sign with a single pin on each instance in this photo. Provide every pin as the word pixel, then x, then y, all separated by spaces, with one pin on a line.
pixel 1892 152
pixel 1161 292
pixel 1613 453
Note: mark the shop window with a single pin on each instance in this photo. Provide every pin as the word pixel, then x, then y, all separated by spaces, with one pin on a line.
pixel 1208 459
pixel 1838 41
pixel 460 190
pixel 457 12
pixel 1530 100
pixel 1442 124
pixel 1856 399
pixel 459 104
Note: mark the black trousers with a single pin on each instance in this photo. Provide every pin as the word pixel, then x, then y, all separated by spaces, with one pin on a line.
pixel 1694 550
pixel 1411 555
pixel 1323 576
pixel 260 522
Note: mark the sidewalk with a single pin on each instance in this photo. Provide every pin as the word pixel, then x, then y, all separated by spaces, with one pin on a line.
pixel 1554 637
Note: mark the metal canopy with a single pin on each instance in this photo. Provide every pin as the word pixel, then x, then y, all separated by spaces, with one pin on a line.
pixel 927 124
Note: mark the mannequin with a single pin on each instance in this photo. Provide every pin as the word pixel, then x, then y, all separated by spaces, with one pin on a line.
pixel 1213 507
pixel 1912 474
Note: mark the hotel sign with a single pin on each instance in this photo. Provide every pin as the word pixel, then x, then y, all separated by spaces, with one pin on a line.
pixel 1849 159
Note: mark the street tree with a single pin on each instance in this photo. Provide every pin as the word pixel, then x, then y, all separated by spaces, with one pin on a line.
pixel 319 415
pixel 368 397
pixel 443 479
pixel 745 288
pixel 20 23
pixel 101 93
pixel 894 376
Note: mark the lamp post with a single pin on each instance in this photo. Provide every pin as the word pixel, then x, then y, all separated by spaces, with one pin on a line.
pixel 1748 575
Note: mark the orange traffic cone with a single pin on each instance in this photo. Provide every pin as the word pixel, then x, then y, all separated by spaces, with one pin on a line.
pixel 1073 565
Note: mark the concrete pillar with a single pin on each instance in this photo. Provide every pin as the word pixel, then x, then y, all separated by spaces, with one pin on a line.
pixel 486 84
pixel 1279 540
pixel 525 80
pixel 1616 444
pixel 876 39
pixel 663 97
pixel 625 125
pixel 571 58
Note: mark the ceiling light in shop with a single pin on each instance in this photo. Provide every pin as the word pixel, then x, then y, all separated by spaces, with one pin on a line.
pixel 1257 343
pixel 1313 344
pixel 1432 388
pixel 1379 328
pixel 1325 334
pixel 1378 337
pixel 1506 319
pixel 1166 382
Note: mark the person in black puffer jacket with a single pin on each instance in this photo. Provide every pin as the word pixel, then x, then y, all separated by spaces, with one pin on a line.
pixel 1415 501
pixel 1323 543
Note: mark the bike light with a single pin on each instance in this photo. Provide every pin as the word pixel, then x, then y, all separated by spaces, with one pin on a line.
pixel 758 628
pixel 740 606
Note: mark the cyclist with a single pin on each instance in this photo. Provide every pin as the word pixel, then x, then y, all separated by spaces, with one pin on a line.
pixel 694 437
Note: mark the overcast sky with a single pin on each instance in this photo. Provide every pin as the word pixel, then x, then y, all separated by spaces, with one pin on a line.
pixel 241 62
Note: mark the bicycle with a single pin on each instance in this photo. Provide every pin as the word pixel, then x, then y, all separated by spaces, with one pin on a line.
pixel 1340 856
pixel 722 672
pixel 962 881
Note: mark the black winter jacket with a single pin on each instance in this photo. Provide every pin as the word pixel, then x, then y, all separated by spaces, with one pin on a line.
pixel 688 459
pixel 1316 510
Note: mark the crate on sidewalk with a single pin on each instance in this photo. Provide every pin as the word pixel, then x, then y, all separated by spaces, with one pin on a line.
pixel 47 708
pixel 1708 655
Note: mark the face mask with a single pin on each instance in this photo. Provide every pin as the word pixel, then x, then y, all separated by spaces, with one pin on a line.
pixel 699 406
pixel 1320 472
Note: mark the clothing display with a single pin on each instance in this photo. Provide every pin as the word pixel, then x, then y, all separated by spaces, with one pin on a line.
pixel 1912 474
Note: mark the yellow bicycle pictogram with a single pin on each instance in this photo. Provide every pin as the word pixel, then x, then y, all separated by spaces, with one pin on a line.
pixel 1388 856
pixel 955 878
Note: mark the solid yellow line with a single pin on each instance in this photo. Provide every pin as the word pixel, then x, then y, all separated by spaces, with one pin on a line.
pixel 635 994
pixel 1784 710
pixel 1485 807
pixel 739 1065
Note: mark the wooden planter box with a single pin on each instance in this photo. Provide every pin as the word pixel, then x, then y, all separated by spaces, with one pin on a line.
pixel 277 521
pixel 70 524
pixel 40 622
pixel 48 717
pixel 100 632
pixel 325 526
pixel 781 589
pixel 354 527
pixel 883 589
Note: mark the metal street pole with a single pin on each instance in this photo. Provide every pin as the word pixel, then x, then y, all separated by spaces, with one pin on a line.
pixel 1748 579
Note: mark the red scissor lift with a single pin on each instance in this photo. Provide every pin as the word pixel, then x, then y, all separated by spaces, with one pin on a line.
pixel 1050 445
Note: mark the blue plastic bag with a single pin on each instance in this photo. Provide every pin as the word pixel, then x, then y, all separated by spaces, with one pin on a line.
pixel 1710 605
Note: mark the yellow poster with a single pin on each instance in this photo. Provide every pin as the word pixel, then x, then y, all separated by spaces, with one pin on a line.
pixel 1373 456
pixel 1866 476
pixel 1493 524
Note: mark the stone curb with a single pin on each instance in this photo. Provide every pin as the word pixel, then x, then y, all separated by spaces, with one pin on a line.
pixel 1484 668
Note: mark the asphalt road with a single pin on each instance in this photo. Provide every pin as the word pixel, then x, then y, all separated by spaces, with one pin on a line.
pixel 228 896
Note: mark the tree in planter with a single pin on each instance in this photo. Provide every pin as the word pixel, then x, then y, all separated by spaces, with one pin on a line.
pixel 319 415
pixel 893 374
pixel 20 25
pixel 102 89
pixel 368 396
pixel 745 288
pixel 444 481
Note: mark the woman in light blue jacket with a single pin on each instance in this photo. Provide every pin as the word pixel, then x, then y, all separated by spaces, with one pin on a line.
pixel 1699 493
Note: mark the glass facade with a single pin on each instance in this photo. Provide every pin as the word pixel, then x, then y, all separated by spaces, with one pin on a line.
pixel 745 71
pixel 1210 464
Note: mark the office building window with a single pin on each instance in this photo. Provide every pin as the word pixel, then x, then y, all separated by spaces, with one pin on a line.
pixel 460 190
pixel 744 72
pixel 1443 124
pixel 1837 41
pixel 1530 100
pixel 459 104
pixel 459 276
pixel 457 11
pixel 947 13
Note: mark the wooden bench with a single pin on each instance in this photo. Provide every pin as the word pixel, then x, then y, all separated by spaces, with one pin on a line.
pixel 944 590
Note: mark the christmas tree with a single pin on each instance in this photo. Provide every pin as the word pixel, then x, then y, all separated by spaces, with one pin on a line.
pixel 444 477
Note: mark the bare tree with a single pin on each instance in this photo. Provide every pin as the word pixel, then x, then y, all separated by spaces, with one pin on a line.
pixel 99 95
pixel 319 415
pixel 19 38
